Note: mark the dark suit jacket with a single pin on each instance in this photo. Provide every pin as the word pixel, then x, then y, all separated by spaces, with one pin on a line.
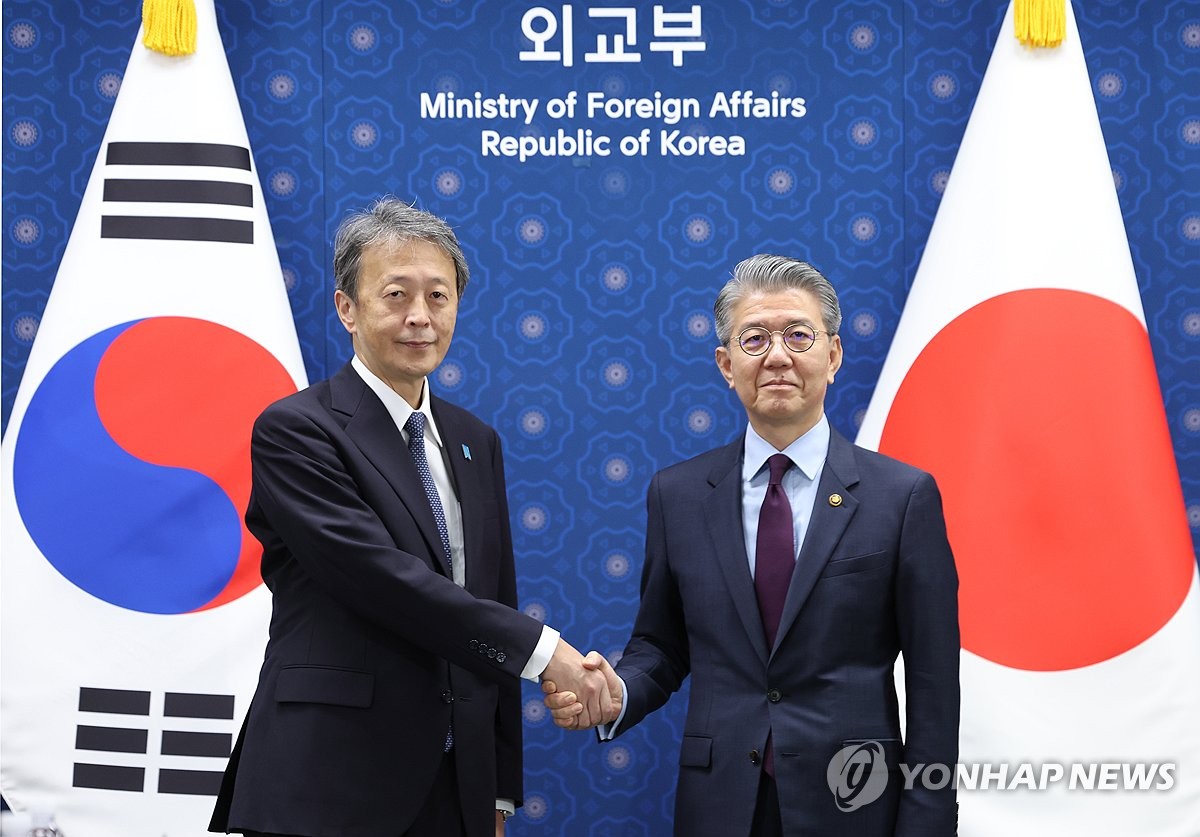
pixel 874 577
pixel 373 649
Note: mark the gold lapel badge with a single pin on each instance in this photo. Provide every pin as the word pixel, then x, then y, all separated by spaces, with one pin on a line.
pixel 835 500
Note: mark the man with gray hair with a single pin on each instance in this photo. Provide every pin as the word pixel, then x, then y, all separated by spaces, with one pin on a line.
pixel 785 573
pixel 388 704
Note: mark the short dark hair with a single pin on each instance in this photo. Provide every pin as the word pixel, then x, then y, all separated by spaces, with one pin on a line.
pixel 765 273
pixel 391 220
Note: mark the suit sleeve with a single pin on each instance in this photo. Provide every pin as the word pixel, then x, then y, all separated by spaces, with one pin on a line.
pixel 509 746
pixel 306 497
pixel 656 660
pixel 927 613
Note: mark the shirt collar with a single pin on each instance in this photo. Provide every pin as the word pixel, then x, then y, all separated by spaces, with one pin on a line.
pixel 397 407
pixel 807 453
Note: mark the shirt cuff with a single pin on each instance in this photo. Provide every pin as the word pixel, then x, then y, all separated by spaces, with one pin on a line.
pixel 542 654
pixel 506 806
pixel 607 732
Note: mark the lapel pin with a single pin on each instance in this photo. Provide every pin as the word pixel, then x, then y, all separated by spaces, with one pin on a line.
pixel 466 452
pixel 835 500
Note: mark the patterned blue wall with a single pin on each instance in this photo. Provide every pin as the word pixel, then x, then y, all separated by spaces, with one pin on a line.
pixel 586 334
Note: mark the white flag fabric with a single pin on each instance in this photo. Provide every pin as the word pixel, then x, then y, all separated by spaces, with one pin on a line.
pixel 1021 376
pixel 131 607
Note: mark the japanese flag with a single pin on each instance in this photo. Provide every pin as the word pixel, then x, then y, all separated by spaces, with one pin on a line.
pixel 1021 376
pixel 132 613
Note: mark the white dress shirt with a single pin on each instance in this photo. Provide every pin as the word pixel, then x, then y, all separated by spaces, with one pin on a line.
pixel 400 410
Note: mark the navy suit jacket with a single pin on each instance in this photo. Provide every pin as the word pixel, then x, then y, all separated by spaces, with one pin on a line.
pixel 373 649
pixel 874 577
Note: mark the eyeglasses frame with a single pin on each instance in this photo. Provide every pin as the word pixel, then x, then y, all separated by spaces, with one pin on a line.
pixel 771 338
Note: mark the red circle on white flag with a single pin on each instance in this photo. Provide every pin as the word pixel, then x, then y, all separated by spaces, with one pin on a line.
pixel 1039 414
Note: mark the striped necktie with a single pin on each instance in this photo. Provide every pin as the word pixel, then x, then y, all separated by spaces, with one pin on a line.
pixel 416 446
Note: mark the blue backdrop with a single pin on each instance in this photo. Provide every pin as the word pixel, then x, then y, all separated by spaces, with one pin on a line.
pixel 586 335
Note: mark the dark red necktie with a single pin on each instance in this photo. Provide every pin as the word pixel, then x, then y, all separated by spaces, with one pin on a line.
pixel 775 554
pixel 774 560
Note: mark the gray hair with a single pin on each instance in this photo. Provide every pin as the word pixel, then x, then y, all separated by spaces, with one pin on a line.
pixel 769 274
pixel 392 221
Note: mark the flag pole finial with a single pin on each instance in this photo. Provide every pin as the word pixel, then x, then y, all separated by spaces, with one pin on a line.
pixel 1040 23
pixel 169 26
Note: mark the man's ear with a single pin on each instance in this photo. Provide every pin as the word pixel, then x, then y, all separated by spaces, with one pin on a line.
pixel 725 364
pixel 835 356
pixel 346 310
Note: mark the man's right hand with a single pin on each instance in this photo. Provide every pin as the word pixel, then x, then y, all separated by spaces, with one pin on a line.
pixel 569 711
pixel 589 688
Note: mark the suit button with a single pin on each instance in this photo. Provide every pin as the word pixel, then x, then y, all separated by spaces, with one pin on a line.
pixel 774 696
pixel 491 653
pixel 501 657
pixel 755 758
pixel 447 697
pixel 474 644
pixel 483 649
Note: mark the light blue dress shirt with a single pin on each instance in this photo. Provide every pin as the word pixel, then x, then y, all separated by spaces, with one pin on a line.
pixel 799 483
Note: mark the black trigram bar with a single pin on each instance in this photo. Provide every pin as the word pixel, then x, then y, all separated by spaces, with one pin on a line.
pixel 178 154
pixel 114 701
pixel 109 777
pixel 111 739
pixel 179 191
pixel 177 229
pixel 209 744
pixel 193 782
pixel 189 705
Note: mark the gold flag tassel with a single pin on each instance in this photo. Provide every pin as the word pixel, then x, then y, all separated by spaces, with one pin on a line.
pixel 169 26
pixel 1040 23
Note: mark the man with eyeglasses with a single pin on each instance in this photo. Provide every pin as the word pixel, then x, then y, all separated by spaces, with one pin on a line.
pixel 785 573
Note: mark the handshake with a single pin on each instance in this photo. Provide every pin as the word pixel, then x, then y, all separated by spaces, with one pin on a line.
pixel 581 692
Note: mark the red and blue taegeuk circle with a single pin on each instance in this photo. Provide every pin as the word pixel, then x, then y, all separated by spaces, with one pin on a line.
pixel 132 463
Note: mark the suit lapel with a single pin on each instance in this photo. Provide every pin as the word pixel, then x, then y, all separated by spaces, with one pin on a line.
pixel 371 428
pixel 825 528
pixel 723 515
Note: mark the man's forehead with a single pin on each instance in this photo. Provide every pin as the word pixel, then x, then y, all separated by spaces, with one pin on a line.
pixel 792 305
pixel 396 256
pixel 406 247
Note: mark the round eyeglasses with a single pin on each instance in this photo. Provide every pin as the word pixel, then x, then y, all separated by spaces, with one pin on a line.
pixel 797 337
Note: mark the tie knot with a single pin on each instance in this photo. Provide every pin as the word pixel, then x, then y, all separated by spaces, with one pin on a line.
pixel 778 463
pixel 415 427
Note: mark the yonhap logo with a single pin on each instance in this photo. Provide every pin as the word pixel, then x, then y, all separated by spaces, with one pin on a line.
pixel 857 775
